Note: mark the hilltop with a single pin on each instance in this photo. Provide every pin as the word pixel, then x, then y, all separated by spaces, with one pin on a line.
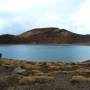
pixel 50 35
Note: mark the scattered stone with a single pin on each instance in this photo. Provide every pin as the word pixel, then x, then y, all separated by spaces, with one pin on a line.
pixel 19 70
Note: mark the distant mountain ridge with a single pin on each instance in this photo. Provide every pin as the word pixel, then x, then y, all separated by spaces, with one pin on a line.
pixel 51 35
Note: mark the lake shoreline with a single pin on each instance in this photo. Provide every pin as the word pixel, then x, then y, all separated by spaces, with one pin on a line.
pixel 24 75
pixel 82 44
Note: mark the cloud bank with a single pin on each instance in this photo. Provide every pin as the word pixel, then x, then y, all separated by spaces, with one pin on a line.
pixel 17 16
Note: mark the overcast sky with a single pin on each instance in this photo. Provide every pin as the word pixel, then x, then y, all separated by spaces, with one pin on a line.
pixel 17 16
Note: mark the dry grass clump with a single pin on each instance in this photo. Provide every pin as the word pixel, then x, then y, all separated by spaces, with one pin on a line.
pixel 77 79
pixel 11 62
pixel 27 80
pixel 66 68
pixel 37 73
pixel 80 78
pixel 44 78
pixel 16 63
pixel 58 63
pixel 83 71
pixel 54 68
pixel 29 66
pixel 51 66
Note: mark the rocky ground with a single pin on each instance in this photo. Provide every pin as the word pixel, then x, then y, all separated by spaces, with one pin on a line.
pixel 27 75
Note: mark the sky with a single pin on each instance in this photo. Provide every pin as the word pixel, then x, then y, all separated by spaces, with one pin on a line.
pixel 17 16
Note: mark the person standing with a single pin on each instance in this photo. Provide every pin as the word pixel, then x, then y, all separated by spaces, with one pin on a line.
pixel 0 55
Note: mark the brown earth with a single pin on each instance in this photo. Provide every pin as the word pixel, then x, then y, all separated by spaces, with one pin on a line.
pixel 50 35
pixel 28 75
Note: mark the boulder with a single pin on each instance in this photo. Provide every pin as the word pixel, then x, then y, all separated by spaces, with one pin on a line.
pixel 19 70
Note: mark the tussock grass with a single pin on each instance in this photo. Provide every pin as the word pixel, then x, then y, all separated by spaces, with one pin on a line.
pixel 80 78
pixel 27 80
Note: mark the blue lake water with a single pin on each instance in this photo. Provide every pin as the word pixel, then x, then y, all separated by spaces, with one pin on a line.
pixel 46 52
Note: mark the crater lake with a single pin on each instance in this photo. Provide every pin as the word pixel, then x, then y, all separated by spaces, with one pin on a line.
pixel 46 52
